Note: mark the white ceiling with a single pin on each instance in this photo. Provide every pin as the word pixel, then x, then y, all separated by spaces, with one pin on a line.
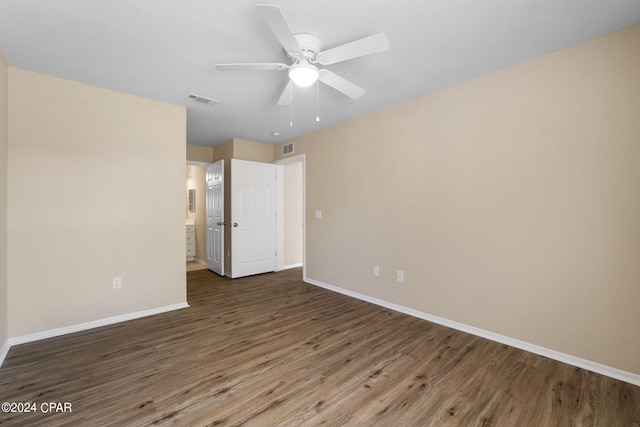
pixel 165 49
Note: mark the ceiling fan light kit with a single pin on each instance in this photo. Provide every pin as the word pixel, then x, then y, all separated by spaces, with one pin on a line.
pixel 303 52
pixel 304 74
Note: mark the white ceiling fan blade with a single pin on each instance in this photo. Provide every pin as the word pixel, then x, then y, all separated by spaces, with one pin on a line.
pixel 252 66
pixel 275 19
pixel 341 84
pixel 366 46
pixel 285 97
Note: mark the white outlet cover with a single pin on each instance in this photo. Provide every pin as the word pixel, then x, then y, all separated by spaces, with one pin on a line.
pixel 376 270
pixel 400 276
pixel 318 214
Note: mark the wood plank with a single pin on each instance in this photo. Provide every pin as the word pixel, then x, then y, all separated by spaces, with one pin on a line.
pixel 273 350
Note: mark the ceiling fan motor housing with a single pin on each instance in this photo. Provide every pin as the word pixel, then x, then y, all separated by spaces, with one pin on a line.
pixel 309 45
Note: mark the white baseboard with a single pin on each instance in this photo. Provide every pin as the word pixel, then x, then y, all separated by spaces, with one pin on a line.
pixel 286 267
pixel 93 324
pixel 598 368
pixel 4 351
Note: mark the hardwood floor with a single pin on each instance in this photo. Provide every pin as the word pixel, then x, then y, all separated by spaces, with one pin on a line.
pixel 272 350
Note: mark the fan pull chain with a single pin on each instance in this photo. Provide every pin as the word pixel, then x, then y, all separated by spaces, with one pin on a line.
pixel 317 102
pixel 290 104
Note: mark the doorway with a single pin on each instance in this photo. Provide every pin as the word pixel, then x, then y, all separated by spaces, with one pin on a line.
pixel 290 236
pixel 195 216
pixel 291 213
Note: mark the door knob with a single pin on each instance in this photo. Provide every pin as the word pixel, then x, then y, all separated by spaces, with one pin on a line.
pixel 235 224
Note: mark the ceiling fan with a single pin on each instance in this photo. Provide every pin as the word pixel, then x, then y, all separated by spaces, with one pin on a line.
pixel 304 54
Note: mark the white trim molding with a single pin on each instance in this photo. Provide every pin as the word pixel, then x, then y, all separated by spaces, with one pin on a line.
pixel 589 365
pixel 4 351
pixel 288 266
pixel 93 324
pixel 195 163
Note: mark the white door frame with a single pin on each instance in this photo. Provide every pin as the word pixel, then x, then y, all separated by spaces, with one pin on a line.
pixel 280 214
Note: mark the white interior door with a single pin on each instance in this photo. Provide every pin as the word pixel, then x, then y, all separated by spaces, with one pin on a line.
pixel 215 217
pixel 253 218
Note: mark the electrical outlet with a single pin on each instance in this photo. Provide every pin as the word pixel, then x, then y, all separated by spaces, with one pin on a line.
pixel 117 282
pixel 318 214
pixel 376 270
pixel 400 276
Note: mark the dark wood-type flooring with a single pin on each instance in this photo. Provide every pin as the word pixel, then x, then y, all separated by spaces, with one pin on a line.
pixel 272 350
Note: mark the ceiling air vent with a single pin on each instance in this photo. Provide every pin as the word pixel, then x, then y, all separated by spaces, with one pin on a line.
pixel 207 102
pixel 287 149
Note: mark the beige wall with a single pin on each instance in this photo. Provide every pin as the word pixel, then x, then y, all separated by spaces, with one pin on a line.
pixel 252 151
pixel 196 180
pixel 223 151
pixel 293 214
pixel 96 190
pixel 4 125
pixel 511 202
pixel 196 153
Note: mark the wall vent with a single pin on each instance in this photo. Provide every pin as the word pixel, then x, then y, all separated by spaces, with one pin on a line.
pixel 287 149
pixel 201 100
